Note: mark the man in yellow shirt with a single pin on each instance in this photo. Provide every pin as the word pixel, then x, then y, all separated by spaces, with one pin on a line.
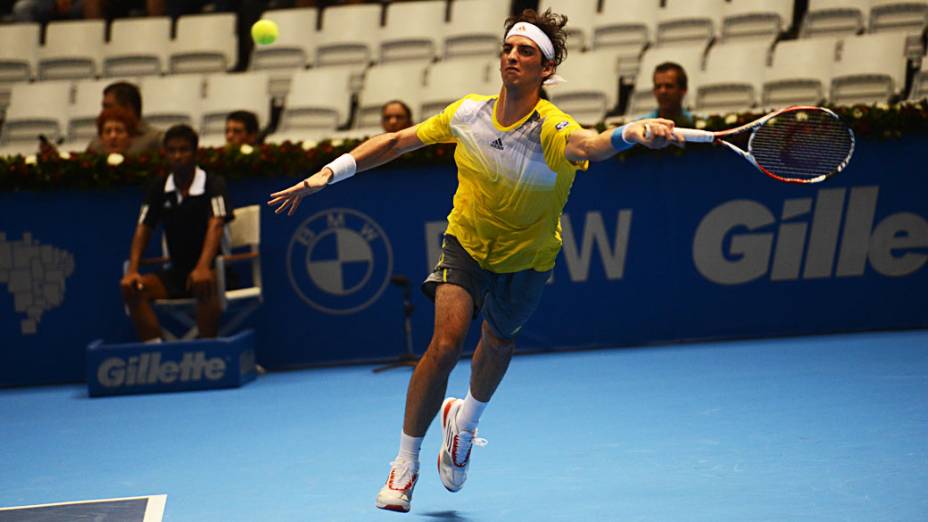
pixel 517 156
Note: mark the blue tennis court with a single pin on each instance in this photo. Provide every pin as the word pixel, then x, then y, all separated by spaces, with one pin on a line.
pixel 816 428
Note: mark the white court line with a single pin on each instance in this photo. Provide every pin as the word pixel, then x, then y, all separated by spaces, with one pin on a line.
pixel 154 509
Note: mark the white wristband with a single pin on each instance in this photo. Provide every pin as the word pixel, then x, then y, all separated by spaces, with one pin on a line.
pixel 343 167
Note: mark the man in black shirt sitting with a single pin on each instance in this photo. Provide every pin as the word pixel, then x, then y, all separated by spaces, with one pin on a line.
pixel 193 208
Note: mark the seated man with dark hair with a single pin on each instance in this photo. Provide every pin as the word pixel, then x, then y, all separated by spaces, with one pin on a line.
pixel 241 128
pixel 146 139
pixel 670 85
pixel 193 207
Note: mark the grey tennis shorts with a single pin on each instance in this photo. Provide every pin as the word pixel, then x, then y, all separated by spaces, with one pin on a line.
pixel 506 300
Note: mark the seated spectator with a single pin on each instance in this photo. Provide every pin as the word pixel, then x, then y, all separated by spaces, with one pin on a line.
pixel 43 11
pixel 193 207
pixel 241 128
pixel 115 127
pixel 395 116
pixel 146 139
pixel 670 84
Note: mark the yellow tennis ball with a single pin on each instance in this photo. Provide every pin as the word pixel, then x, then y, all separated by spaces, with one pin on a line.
pixel 264 32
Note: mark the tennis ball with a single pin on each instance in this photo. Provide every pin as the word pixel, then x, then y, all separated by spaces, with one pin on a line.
pixel 264 32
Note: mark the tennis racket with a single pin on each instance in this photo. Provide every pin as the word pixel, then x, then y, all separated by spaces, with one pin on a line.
pixel 800 144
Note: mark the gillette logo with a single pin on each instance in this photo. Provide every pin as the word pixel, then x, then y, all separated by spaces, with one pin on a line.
pixel 147 368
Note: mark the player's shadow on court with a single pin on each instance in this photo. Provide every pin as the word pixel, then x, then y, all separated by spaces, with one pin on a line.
pixel 450 516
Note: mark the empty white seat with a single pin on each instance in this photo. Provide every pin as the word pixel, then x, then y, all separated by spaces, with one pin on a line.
pixel 413 31
pixel 38 108
pixel 137 47
pixel 232 92
pixel 475 29
pixel 448 81
pixel 641 99
pixel 580 18
pixel 318 104
pixel 383 83
pixel 920 83
pixel 800 73
pixel 204 44
pixel 172 100
pixel 626 28
pixel 594 90
pixel 683 22
pixel 349 36
pixel 19 44
pixel 733 77
pixel 837 18
pixel 755 20
pixel 295 47
pixel 72 50
pixel 910 16
pixel 872 69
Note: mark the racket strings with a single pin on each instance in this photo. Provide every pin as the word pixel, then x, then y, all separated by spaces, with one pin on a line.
pixel 803 144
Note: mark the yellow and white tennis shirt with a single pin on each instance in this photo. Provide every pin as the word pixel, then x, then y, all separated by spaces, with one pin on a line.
pixel 513 181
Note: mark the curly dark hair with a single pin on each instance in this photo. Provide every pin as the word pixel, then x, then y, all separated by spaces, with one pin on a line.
pixel 552 24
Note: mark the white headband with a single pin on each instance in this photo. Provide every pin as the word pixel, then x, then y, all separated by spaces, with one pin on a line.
pixel 533 33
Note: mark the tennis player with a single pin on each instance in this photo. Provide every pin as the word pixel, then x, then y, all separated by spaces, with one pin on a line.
pixel 517 156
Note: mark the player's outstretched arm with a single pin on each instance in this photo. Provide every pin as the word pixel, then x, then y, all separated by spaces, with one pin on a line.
pixel 589 145
pixel 372 153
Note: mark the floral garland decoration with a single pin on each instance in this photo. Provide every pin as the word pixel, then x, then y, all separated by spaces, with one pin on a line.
pixel 55 171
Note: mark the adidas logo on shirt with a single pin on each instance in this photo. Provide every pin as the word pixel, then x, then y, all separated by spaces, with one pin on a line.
pixel 497 144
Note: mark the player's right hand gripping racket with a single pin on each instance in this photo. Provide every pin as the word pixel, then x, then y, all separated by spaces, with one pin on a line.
pixel 800 144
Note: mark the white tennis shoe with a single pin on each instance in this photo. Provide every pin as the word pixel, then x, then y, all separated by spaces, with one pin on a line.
pixel 454 455
pixel 396 494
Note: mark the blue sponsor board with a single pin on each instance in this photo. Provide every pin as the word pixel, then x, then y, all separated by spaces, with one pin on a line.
pixel 119 369
pixel 658 248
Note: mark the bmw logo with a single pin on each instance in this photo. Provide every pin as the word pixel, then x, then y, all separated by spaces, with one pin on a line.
pixel 339 261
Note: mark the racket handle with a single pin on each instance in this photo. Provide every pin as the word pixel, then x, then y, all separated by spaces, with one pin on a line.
pixel 695 135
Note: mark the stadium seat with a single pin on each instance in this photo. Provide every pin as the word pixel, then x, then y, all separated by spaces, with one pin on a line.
pixel 800 73
pixel 626 28
pixel 755 20
pixel 349 36
pixel 580 18
pixel 72 50
pixel 413 31
pixel 36 108
pixel 240 244
pixel 475 29
pixel 448 81
pixel 172 100
pixel 317 105
pixel 688 22
pixel 396 81
pixel 204 43
pixel 920 83
pixel 733 77
pixel 137 47
pixel 872 69
pixel 232 92
pixel 910 16
pixel 594 89
pixel 837 18
pixel 295 47
pixel 641 99
pixel 19 44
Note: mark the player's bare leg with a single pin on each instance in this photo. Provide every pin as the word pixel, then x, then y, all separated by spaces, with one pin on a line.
pixel 138 301
pixel 490 362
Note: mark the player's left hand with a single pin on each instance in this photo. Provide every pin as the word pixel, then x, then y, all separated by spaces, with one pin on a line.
pixel 202 282
pixel 292 196
pixel 655 133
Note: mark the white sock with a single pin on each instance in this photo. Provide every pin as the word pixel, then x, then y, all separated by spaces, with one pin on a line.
pixel 409 448
pixel 156 340
pixel 469 414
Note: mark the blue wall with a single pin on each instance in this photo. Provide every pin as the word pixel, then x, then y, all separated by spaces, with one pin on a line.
pixel 658 248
